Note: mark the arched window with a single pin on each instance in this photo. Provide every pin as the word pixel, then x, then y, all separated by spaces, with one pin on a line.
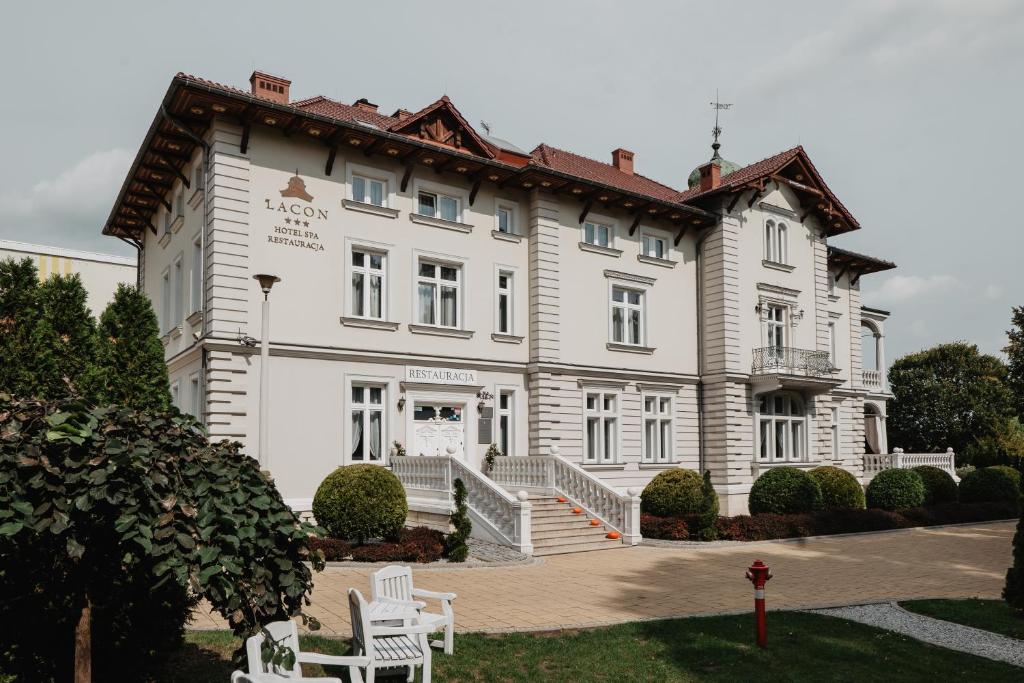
pixel 776 247
pixel 782 428
pixel 769 241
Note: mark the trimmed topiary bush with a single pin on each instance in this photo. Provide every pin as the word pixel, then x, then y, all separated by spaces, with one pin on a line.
pixel 1010 472
pixel 708 510
pixel 989 484
pixel 896 489
pixel 784 490
pixel 840 490
pixel 455 547
pixel 672 493
pixel 360 502
pixel 939 487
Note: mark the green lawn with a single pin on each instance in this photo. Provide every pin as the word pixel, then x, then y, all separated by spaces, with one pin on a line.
pixel 990 615
pixel 801 647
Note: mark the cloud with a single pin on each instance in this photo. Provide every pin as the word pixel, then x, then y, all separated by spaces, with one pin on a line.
pixel 70 208
pixel 906 287
pixel 992 291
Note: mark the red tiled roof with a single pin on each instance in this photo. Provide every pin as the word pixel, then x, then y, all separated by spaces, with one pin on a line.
pixel 562 161
pixel 344 112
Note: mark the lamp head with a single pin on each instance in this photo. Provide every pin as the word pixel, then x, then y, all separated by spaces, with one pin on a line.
pixel 266 281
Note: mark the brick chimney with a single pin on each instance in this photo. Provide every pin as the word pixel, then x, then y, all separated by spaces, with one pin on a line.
pixel 270 87
pixel 622 159
pixel 364 104
pixel 401 114
pixel 710 176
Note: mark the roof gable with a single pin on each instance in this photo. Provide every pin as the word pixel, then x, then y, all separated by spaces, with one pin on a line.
pixel 441 123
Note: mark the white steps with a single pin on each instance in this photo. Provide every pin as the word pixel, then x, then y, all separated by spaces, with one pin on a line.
pixel 555 529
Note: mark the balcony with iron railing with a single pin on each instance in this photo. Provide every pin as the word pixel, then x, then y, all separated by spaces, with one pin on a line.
pixel 778 367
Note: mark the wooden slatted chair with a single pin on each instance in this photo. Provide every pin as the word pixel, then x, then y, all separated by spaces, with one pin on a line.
pixel 394 583
pixel 388 646
pixel 287 633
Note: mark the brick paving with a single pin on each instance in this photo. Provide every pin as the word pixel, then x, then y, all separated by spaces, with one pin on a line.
pixel 646 582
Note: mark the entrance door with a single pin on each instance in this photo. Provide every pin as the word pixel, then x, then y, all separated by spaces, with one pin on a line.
pixel 437 426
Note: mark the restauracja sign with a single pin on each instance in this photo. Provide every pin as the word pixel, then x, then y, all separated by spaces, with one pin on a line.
pixel 425 375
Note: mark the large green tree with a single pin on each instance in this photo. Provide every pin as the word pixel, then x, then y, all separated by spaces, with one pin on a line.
pixel 64 340
pixel 129 355
pixel 948 396
pixel 1014 351
pixel 19 313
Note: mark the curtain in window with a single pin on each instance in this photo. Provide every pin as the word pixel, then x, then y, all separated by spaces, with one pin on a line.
pixel 618 324
pixel 375 429
pixel 357 435
pixel 357 294
pixel 426 304
pixel 634 327
pixel 358 189
pixel 449 209
pixel 375 296
pixel 871 433
pixel 377 194
pixel 448 306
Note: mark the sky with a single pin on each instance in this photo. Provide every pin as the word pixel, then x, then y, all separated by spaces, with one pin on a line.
pixel 911 110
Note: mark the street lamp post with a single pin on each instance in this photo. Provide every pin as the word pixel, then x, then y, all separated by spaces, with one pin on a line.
pixel 266 282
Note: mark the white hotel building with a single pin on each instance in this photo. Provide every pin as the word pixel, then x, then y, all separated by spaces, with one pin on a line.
pixel 446 290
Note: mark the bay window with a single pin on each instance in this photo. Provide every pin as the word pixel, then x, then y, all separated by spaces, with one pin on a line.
pixel 438 294
pixel 367 414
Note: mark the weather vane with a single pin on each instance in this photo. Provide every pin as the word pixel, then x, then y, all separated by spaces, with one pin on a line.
pixel 717 130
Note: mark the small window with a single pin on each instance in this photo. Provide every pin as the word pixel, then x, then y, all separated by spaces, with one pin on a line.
pixel 504 309
pixel 834 432
pixel 601 430
pixel 367 420
pixel 179 284
pixel 438 294
pixel 655 247
pixel 657 433
pixel 832 342
pixel 598 234
pixel 176 394
pixel 179 204
pixel 195 396
pixel 198 182
pixel 831 284
pixel 368 284
pixel 165 303
pixel 776 245
pixel 505 218
pixel 506 413
pixel 438 206
pixel 627 316
pixel 369 190
pixel 196 300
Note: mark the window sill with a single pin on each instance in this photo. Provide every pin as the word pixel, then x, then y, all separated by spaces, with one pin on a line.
pixel 630 348
pixel 196 198
pixel 506 236
pixel 440 331
pixel 601 466
pixel 195 318
pixel 165 239
pixel 607 251
pixel 369 323
pixel 177 223
pixel 175 332
pixel 774 265
pixel 507 338
pixel 833 298
pixel 440 223
pixel 353 205
pixel 782 463
pixel 655 261
pixel 668 464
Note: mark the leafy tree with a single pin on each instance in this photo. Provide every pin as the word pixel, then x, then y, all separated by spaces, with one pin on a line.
pixel 64 340
pixel 19 313
pixel 94 498
pixel 129 355
pixel 946 397
pixel 1015 354
pixel 455 545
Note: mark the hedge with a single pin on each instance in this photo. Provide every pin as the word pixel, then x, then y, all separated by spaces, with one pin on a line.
pixel 988 484
pixel 416 544
pixel 361 502
pixel 1011 473
pixel 840 490
pixel 895 489
pixel 768 526
pixel 784 490
pixel 939 486
pixel 673 492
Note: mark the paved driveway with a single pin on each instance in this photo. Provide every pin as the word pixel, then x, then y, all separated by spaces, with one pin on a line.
pixel 644 582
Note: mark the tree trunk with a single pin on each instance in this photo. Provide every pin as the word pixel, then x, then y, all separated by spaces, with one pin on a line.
pixel 83 644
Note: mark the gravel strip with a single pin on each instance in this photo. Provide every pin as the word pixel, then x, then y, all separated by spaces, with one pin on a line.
pixel 945 634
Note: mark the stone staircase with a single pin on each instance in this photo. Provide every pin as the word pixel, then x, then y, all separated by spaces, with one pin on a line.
pixel 555 529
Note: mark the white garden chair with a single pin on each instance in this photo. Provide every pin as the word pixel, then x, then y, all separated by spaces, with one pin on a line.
pixel 242 677
pixel 388 646
pixel 394 583
pixel 287 633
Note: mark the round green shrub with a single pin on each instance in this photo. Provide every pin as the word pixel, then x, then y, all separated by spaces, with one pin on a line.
pixel 988 485
pixel 939 487
pixel 840 490
pixel 896 489
pixel 784 490
pixel 1010 472
pixel 673 492
pixel 359 502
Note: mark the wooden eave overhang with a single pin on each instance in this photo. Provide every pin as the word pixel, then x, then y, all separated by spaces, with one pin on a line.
pixel 843 262
pixel 190 105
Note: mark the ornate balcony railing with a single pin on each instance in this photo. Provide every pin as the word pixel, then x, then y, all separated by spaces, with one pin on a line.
pixel 872 379
pixel 784 359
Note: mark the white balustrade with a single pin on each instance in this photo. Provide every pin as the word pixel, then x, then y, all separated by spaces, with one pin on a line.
pixel 432 474
pixel 872 378
pixel 522 472
pixel 876 462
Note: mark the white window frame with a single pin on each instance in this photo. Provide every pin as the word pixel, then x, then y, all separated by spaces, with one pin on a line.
pixel 598 222
pixel 510 293
pixel 832 285
pixel 165 301
pixel 771 324
pixel 460 196
pixel 606 450
pixel 178 267
pixel 653 235
pixel 793 450
pixel 834 433
pixel 776 241
pixel 627 308
pixel 513 212
pixel 196 279
pixel 439 262
pixel 658 451
pixel 367 272
pixel 390 181
pixel 832 342
pixel 176 393
pixel 366 408
pixel 502 434
pixel 195 385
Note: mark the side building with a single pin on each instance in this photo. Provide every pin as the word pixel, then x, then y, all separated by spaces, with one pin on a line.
pixel 442 290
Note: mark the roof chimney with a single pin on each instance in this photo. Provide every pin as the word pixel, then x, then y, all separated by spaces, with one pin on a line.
pixel 710 176
pixel 365 104
pixel 401 114
pixel 269 87
pixel 622 159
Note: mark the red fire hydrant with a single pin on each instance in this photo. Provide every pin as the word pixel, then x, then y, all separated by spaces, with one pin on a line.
pixel 758 573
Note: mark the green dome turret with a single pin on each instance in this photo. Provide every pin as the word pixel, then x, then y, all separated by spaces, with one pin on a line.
pixel 725 166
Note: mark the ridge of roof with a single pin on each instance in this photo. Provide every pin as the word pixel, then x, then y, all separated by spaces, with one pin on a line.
pixel 546 155
pixel 446 103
